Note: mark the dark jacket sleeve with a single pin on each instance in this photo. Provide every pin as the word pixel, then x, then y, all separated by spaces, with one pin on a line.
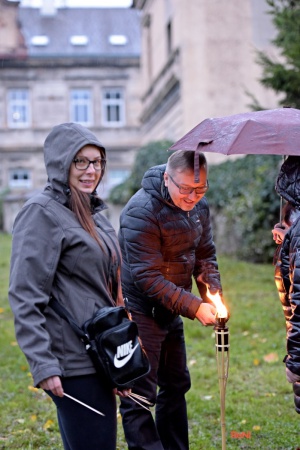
pixel 141 244
pixel 36 249
pixel 293 333
pixel 282 281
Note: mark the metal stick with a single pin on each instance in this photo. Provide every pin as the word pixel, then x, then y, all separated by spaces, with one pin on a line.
pixel 141 398
pixel 222 354
pixel 83 404
pixel 136 401
pixel 281 200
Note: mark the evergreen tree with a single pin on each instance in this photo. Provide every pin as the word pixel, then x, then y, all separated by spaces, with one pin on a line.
pixel 283 76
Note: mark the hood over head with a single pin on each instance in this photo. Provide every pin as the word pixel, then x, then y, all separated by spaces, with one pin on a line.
pixel 288 181
pixel 60 148
pixel 153 177
pixel 153 183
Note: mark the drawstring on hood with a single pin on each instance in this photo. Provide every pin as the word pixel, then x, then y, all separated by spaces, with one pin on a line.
pixel 153 182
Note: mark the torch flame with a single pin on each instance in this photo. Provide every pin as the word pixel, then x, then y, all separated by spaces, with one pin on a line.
pixel 217 301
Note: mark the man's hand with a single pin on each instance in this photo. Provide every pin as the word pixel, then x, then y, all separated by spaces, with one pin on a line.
pixel 53 384
pixel 206 314
pixel 122 393
pixel 279 231
pixel 292 377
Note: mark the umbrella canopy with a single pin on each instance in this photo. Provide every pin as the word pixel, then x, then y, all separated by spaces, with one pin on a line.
pixel 268 132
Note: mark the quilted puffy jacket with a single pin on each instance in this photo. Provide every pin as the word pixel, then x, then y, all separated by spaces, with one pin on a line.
pixel 288 181
pixel 296 388
pixel 282 281
pixel 288 186
pixel 163 248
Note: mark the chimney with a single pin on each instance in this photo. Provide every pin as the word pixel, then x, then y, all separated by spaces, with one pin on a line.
pixel 48 8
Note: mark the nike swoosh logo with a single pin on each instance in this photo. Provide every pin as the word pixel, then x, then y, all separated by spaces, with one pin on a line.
pixel 118 363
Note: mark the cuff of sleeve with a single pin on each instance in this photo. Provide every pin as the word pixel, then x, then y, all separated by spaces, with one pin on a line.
pixel 45 372
pixel 193 308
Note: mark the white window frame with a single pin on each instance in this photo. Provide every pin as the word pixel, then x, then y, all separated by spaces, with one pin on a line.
pixel 81 106
pixel 18 108
pixel 20 179
pixel 113 107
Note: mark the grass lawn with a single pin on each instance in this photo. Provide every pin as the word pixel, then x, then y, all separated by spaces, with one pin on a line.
pixel 259 401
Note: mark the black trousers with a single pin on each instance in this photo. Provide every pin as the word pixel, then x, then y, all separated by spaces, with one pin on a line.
pixel 81 428
pixel 165 347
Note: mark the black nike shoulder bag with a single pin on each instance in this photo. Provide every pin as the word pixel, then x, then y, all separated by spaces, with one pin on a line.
pixel 112 341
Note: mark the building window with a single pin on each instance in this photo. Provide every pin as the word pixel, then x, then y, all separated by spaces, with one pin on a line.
pixel 18 108
pixel 79 40
pixel 20 178
pixel 117 39
pixel 113 108
pixel 39 40
pixel 81 106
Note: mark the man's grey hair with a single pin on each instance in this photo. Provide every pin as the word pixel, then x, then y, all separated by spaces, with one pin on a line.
pixel 184 160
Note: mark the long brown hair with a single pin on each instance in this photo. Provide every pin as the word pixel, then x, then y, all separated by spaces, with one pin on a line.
pixel 80 204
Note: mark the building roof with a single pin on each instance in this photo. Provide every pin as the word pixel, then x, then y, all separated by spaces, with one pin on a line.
pixel 88 32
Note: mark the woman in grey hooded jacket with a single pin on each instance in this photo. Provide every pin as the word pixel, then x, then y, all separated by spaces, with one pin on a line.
pixel 63 246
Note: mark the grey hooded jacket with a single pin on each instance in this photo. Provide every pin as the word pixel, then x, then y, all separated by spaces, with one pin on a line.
pixel 53 254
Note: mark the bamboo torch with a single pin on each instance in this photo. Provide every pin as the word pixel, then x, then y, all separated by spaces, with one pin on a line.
pixel 222 355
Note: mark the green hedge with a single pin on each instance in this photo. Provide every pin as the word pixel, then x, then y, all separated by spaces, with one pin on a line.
pixel 242 198
pixel 245 206
pixel 150 155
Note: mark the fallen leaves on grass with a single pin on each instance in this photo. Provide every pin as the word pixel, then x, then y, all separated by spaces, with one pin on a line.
pixel 271 357
pixel 21 420
pixel 48 424
pixel 33 389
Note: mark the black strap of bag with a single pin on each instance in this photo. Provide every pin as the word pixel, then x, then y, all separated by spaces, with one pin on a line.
pixel 62 312
pixel 111 340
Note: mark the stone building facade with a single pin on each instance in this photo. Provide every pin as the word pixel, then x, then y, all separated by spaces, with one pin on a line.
pixel 65 65
pixel 131 75
pixel 198 60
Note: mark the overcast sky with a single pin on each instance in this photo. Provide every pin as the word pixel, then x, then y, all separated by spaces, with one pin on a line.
pixel 81 3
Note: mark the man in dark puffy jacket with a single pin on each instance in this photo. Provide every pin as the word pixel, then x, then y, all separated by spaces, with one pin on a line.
pixel 166 241
pixel 288 187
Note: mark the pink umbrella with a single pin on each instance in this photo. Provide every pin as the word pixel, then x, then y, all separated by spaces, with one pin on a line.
pixel 268 132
